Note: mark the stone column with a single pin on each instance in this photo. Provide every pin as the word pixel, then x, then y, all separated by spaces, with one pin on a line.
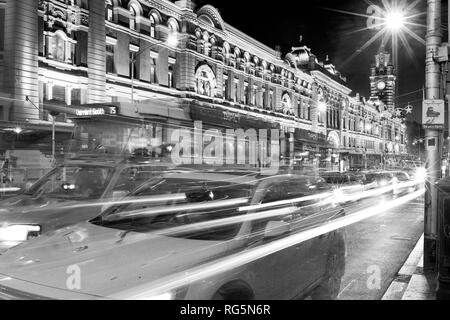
pixel 21 57
pixel 96 57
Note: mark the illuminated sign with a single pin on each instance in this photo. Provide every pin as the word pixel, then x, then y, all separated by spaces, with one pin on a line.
pixel 96 111
pixel 433 114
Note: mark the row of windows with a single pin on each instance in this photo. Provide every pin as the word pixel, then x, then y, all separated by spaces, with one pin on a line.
pixel 134 11
pixel 358 143
pixel 236 59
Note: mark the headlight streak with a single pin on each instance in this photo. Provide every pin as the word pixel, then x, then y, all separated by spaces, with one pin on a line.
pixel 183 207
pixel 270 213
pixel 9 189
pixel 169 283
pixel 129 200
pixel 17 232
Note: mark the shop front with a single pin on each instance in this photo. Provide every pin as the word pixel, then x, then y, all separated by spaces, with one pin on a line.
pixel 313 152
pixel 247 138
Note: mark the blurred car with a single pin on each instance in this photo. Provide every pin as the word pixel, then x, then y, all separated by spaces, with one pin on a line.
pixel 190 219
pixel 347 184
pixel 378 179
pixel 402 183
pixel 74 191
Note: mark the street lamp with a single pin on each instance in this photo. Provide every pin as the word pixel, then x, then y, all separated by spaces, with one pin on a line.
pixel 395 20
pixel 322 106
pixel 17 130
pixel 172 40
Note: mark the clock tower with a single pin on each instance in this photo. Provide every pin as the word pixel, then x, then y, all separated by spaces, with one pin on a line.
pixel 382 79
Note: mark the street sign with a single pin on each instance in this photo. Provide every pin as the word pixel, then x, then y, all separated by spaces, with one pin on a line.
pixel 433 114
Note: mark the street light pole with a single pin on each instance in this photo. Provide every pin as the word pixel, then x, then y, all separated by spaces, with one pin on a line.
pixel 432 136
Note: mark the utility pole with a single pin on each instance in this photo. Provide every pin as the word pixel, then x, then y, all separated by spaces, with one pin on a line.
pixel 432 136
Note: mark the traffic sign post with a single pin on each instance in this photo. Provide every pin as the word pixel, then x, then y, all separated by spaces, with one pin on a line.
pixel 433 114
pixel 433 121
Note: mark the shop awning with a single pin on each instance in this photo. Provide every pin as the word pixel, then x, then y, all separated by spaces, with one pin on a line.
pixel 312 138
pixel 214 115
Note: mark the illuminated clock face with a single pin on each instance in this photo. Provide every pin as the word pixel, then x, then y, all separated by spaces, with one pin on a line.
pixel 381 85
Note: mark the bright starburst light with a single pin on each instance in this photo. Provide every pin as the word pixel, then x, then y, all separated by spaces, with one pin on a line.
pixel 393 21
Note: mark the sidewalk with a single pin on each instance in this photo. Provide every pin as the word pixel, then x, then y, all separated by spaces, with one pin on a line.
pixel 411 283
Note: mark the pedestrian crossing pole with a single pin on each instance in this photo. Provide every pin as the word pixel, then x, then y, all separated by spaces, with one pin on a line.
pixel 432 136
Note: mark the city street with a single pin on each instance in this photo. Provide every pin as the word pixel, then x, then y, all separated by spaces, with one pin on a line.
pixel 184 150
pixel 379 246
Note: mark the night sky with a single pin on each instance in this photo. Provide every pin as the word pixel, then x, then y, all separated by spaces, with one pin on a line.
pixel 330 33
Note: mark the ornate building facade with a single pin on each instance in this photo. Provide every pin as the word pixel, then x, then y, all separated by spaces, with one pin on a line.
pixel 109 71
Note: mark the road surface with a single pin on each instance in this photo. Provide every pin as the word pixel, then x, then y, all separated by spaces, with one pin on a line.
pixel 378 247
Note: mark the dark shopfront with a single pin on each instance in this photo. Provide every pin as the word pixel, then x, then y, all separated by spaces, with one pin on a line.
pixel 124 128
pixel 224 119
pixel 313 152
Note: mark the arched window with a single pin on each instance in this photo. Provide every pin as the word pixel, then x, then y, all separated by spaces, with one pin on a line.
pixel 133 18
pixel 205 81
pixel 152 26
pixel 109 7
pixel 173 25
pixel 58 47
pixel 286 105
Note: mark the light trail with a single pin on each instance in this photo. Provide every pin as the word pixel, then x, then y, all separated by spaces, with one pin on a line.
pixel 163 209
pixel 184 278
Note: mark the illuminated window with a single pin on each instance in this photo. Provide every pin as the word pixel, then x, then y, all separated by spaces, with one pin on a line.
pixel 152 26
pixel 153 70
pixel 205 81
pixel 286 105
pixel 271 101
pixel 110 68
pixel 170 75
pixel 133 18
pixel 264 99
pixel 58 47
pixel 246 92
pixel 236 90
pixel 109 10
pixel 225 87
pixel 173 27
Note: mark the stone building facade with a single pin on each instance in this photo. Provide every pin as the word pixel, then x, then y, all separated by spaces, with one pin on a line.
pixel 109 71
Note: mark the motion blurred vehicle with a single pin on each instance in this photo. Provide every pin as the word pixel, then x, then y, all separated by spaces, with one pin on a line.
pixel 378 179
pixel 73 191
pixel 346 184
pixel 191 220
pixel 402 183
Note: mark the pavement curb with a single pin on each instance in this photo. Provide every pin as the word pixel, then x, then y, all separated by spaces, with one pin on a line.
pixel 409 280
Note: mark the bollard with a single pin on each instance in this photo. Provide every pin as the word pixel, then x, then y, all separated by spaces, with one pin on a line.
pixel 443 287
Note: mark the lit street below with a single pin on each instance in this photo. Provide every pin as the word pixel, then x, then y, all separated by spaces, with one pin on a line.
pixel 188 150
pixel 381 243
